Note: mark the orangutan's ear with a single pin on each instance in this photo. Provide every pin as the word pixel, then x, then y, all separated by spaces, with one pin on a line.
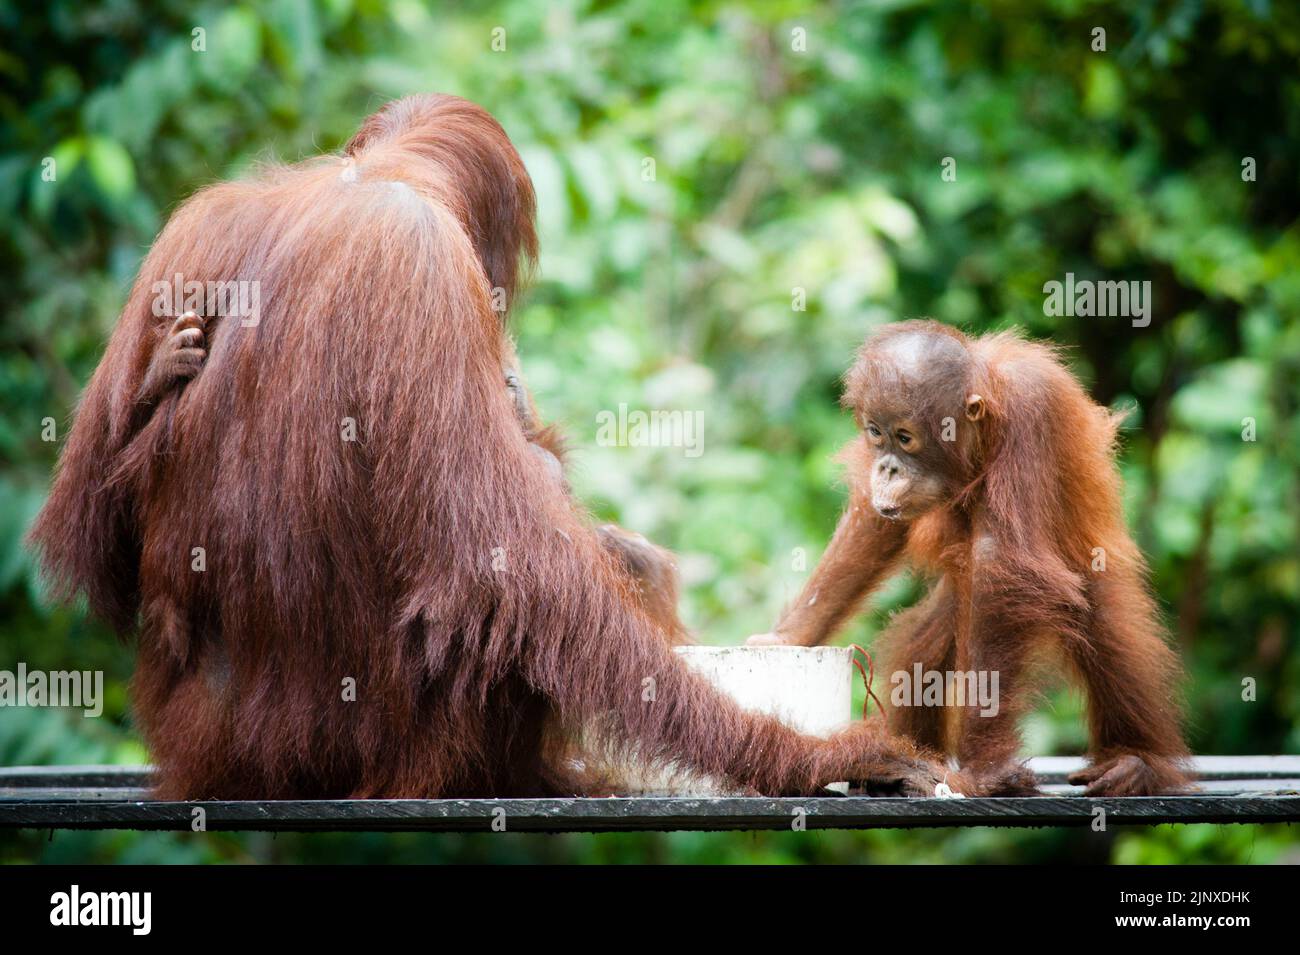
pixel 974 408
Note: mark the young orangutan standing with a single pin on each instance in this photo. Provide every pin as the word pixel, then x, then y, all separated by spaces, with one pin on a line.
pixel 983 462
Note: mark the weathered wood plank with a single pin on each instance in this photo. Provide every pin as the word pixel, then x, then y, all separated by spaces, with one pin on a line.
pixel 1234 789
pixel 74 794
pixel 1051 770
pixel 68 776
pixel 622 814
pixel 1055 769
pixel 1226 787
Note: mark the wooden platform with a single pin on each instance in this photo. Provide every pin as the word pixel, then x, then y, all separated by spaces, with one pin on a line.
pixel 1234 789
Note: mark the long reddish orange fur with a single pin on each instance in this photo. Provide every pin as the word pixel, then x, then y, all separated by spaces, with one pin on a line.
pixel 375 560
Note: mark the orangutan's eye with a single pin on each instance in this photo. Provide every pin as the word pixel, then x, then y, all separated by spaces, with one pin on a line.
pixel 904 439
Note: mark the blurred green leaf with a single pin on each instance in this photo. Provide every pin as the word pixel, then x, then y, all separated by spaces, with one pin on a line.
pixel 111 167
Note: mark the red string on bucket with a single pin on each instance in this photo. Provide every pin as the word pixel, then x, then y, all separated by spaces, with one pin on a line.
pixel 868 676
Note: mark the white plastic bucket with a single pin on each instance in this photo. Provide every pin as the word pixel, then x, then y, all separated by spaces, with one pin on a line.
pixel 810 689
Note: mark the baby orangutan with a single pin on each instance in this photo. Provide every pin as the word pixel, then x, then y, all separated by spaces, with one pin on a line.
pixel 983 462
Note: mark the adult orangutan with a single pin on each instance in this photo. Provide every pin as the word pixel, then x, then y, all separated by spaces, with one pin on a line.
pixel 984 463
pixel 348 573
pixel 652 570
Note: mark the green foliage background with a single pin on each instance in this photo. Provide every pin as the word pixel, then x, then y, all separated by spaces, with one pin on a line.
pixel 774 169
